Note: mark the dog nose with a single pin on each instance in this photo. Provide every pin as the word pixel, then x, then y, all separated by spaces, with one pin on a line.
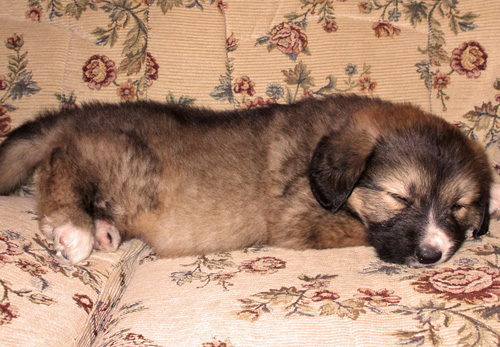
pixel 428 255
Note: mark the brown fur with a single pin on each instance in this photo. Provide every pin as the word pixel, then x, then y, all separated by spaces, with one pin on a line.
pixel 190 181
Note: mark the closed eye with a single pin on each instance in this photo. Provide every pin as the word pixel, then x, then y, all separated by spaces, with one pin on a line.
pixel 401 199
pixel 457 207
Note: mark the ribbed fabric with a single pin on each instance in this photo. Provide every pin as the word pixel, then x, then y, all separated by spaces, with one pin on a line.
pixel 44 302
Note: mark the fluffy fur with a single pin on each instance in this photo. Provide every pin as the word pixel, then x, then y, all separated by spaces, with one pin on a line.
pixel 343 171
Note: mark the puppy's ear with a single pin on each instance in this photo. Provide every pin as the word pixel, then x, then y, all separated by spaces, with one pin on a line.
pixel 337 164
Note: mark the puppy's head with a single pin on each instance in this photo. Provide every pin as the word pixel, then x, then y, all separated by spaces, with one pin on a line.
pixel 416 182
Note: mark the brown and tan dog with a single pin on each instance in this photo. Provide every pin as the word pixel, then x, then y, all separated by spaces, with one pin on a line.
pixel 342 171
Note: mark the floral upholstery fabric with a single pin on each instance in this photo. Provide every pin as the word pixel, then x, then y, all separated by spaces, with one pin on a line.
pixel 276 297
pixel 443 55
pixel 45 302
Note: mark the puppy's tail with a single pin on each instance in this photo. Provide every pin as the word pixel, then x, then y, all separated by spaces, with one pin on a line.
pixel 24 149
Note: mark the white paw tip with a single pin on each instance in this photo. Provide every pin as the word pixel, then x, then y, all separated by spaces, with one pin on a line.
pixel 73 243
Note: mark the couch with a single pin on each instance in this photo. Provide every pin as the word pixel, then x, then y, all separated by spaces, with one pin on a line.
pixel 443 55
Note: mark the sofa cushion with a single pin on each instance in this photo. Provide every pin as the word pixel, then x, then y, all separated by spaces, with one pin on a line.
pixel 44 301
pixel 276 297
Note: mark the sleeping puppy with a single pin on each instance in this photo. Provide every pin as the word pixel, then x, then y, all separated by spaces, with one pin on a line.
pixel 342 171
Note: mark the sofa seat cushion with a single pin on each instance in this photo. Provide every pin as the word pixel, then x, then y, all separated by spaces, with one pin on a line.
pixel 338 297
pixel 44 301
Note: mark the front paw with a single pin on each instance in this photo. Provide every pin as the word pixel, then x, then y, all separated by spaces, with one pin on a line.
pixel 73 243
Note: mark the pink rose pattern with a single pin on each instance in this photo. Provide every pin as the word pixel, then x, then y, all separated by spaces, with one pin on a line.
pixel 469 59
pixel 99 71
pixel 474 286
pixel 288 38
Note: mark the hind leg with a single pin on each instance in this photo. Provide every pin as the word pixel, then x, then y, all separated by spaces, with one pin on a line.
pixel 107 236
pixel 69 241
pixel 63 196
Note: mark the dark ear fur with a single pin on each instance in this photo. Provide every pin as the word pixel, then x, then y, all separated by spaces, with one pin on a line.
pixel 336 166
